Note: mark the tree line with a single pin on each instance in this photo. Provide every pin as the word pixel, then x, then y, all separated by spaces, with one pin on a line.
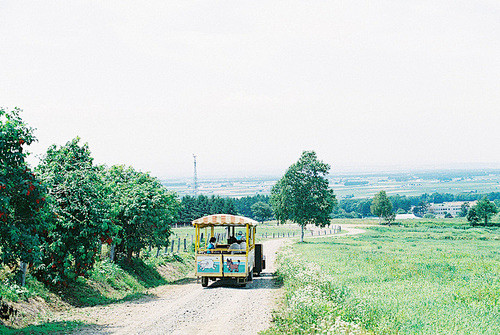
pixel 55 217
pixel 360 208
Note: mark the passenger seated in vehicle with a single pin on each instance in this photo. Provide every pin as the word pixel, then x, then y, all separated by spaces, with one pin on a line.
pixel 234 247
pixel 240 237
pixel 211 245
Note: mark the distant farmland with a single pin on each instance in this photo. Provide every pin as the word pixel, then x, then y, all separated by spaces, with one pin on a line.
pixel 356 185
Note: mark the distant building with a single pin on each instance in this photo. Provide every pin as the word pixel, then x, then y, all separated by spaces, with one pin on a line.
pixel 452 208
pixel 406 216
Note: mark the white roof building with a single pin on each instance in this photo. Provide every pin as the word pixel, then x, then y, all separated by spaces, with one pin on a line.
pixel 452 208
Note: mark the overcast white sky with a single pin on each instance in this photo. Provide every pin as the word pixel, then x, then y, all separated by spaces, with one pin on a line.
pixel 248 85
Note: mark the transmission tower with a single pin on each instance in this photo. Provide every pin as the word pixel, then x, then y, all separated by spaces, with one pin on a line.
pixel 195 178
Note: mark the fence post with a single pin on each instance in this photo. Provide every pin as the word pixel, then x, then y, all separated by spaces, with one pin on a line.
pixel 273 235
pixel 185 244
pixel 112 253
pixel 172 246
pixel 23 268
pixel 178 245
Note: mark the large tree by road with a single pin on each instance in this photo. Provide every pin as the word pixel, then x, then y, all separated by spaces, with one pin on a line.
pixel 21 194
pixel 141 207
pixel 303 195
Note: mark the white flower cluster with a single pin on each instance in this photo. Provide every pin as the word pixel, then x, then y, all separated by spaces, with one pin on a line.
pixel 313 300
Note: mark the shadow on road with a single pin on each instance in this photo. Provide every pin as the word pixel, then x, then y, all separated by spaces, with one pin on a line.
pixel 266 280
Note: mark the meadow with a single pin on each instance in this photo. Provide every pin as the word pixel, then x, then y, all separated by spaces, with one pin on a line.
pixel 423 279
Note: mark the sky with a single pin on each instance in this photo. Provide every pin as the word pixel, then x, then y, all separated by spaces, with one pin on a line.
pixel 248 85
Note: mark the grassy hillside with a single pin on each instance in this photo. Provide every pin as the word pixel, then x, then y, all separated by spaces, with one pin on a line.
pixel 108 283
pixel 393 280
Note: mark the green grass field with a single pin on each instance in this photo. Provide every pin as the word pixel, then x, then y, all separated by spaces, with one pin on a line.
pixel 393 280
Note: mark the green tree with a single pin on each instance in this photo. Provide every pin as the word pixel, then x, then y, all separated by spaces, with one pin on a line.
pixel 472 216
pixel 464 209
pixel 303 195
pixel 142 207
pixel 485 209
pixel 382 206
pixel 77 213
pixel 280 200
pixel 421 209
pixel 21 194
pixel 261 211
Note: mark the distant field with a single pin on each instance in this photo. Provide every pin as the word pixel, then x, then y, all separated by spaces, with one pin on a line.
pixel 393 280
pixel 357 186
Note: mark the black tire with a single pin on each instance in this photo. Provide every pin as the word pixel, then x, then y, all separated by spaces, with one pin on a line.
pixel 204 281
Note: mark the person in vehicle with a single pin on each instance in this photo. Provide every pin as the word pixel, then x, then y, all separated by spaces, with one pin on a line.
pixel 239 236
pixel 211 245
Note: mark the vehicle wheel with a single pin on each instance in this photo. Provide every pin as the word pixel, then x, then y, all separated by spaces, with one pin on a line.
pixel 204 281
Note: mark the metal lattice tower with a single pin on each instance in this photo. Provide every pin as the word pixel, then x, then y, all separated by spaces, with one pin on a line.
pixel 195 178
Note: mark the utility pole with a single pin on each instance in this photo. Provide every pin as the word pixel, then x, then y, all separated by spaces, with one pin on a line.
pixel 195 178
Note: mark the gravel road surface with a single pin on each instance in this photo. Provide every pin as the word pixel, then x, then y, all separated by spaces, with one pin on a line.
pixel 221 308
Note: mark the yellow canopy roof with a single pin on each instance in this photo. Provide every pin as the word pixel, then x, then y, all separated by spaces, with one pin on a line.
pixel 224 220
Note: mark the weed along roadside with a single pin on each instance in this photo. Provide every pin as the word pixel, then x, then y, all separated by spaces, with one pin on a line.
pixel 392 280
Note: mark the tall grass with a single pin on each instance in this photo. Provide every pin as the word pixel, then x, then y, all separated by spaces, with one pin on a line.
pixel 393 280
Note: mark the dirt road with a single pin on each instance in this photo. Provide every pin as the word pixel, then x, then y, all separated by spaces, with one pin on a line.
pixel 190 309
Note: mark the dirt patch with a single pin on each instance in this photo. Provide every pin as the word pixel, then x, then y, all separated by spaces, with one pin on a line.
pixel 35 310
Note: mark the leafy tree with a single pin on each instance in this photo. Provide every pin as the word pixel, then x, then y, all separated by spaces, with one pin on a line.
pixel 21 194
pixel 472 217
pixel 142 208
pixel 485 209
pixel 421 209
pixel 243 205
pixel 303 195
pixel 281 201
pixel 77 213
pixel 464 209
pixel 229 207
pixel 261 211
pixel 381 206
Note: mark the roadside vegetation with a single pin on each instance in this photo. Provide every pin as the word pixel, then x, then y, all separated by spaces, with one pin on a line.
pixel 393 280
pixel 108 282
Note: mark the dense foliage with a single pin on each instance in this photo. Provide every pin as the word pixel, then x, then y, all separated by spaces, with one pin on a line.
pixel 261 211
pixel 21 194
pixel 56 221
pixel 244 205
pixel 141 208
pixel 483 210
pixel 195 207
pixel 77 213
